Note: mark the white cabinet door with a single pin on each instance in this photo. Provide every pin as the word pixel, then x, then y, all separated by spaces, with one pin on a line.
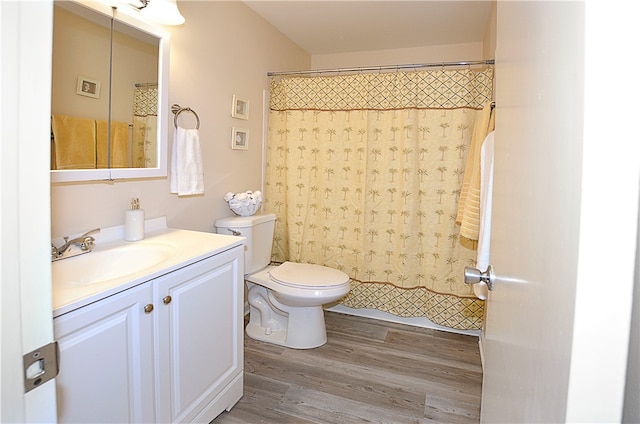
pixel 106 371
pixel 199 338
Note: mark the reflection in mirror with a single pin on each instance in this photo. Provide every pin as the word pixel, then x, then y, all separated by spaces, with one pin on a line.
pixel 134 93
pixel 109 80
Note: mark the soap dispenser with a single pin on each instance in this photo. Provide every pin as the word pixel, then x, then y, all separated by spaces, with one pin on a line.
pixel 134 221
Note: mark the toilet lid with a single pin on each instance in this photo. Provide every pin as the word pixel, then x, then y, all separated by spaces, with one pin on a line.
pixel 307 275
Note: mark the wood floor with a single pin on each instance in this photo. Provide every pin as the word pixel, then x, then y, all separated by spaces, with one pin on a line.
pixel 369 371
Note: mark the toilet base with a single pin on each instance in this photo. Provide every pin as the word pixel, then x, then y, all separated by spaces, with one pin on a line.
pixel 279 337
pixel 273 322
pixel 256 332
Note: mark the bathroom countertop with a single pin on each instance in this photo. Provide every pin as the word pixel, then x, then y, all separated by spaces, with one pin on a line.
pixel 184 246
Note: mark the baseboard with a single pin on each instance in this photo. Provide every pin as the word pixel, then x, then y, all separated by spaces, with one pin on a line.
pixel 385 316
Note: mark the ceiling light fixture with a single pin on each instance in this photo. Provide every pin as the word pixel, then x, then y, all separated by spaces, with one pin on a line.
pixel 164 12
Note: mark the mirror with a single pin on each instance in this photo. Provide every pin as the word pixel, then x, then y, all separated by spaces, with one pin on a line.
pixel 109 94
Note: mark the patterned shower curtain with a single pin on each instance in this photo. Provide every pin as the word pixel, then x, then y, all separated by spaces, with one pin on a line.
pixel 364 173
pixel 145 123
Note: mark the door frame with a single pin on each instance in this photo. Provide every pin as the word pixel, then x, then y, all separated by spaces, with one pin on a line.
pixel 25 223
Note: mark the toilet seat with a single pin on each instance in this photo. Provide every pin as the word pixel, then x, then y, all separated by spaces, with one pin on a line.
pixel 307 276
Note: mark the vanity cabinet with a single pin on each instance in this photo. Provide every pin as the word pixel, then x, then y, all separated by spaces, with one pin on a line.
pixel 199 339
pixel 106 371
pixel 167 350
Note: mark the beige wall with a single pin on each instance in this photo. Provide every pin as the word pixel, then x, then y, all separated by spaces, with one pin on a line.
pixel 223 49
pixel 429 54
pixel 489 42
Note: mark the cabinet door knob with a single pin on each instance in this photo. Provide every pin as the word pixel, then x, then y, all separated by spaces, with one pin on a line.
pixel 148 308
pixel 166 300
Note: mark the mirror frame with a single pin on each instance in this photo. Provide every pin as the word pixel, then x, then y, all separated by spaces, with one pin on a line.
pixel 129 17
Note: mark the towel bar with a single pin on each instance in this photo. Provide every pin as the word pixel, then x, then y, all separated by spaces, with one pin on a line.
pixel 177 110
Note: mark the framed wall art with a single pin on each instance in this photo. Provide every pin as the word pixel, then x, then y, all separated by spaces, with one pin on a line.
pixel 240 108
pixel 88 87
pixel 240 139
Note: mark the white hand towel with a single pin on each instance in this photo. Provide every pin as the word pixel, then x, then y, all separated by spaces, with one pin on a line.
pixel 187 175
pixel 486 198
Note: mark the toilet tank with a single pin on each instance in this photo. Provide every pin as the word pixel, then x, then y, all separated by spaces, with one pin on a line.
pixel 258 231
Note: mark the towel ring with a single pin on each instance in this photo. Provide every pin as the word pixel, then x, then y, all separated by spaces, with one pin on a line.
pixel 177 110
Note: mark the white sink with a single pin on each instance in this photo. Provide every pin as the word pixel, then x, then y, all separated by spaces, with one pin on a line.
pixel 115 265
pixel 99 267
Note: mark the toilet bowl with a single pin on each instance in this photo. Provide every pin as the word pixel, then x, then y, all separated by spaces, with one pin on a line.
pixel 286 308
pixel 285 301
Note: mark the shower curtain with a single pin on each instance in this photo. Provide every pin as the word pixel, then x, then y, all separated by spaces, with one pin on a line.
pixel 364 173
pixel 145 122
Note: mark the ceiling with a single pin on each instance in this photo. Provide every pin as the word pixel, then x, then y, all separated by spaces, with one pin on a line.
pixel 331 27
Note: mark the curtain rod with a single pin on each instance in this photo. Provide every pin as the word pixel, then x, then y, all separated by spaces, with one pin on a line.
pixel 146 84
pixel 386 67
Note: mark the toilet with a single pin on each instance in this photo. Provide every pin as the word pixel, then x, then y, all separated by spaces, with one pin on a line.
pixel 285 301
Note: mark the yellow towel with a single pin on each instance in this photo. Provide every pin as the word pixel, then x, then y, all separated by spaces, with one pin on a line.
pixel 74 142
pixel 469 204
pixel 119 144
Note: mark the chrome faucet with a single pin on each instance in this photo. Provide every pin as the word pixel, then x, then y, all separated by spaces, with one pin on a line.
pixel 85 242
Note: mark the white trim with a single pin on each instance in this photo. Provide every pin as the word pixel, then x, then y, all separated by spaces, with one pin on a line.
pixel 265 133
pixel 384 316
pixel 610 193
pixel 25 225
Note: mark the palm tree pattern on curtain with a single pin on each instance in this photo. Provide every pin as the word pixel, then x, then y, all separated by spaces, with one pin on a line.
pixel 145 123
pixel 364 173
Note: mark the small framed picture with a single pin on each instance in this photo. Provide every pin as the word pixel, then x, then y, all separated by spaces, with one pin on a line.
pixel 240 108
pixel 240 139
pixel 88 87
